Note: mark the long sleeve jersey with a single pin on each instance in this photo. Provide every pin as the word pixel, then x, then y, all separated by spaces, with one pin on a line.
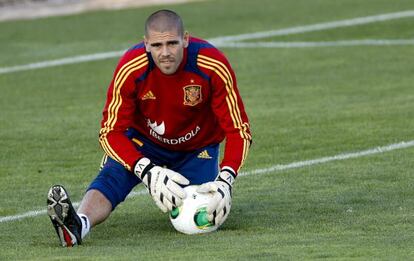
pixel 198 105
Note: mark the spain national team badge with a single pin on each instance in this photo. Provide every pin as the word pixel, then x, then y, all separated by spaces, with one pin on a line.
pixel 192 95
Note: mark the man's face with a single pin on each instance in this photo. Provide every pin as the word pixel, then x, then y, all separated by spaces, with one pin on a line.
pixel 167 49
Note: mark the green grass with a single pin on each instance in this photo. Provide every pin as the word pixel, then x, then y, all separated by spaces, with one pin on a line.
pixel 303 104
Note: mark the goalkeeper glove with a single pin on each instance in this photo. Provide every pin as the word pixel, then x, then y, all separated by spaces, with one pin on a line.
pixel 163 184
pixel 219 207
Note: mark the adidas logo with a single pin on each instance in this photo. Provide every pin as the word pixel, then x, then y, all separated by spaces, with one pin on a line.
pixel 204 155
pixel 148 96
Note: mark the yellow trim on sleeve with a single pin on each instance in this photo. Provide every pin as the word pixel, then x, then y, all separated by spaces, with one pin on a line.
pixel 116 101
pixel 231 99
pixel 222 71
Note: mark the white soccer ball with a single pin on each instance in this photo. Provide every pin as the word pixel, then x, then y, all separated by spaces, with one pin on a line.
pixel 191 216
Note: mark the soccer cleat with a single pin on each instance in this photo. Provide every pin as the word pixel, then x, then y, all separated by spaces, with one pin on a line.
pixel 66 222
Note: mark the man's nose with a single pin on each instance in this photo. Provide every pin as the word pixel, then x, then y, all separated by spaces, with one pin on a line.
pixel 165 51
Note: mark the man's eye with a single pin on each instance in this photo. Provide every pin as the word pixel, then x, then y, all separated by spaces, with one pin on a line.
pixel 156 45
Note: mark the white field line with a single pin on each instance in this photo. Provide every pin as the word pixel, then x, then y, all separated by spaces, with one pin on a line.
pixel 274 168
pixel 343 156
pixel 231 41
pixel 316 27
pixel 63 61
pixel 370 42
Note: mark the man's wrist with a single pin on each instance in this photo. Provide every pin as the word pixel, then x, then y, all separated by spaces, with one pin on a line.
pixel 142 166
pixel 227 175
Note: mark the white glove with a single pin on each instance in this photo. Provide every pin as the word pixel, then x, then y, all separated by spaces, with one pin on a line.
pixel 163 184
pixel 219 207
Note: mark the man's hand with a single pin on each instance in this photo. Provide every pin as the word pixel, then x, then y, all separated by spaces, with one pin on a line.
pixel 219 207
pixel 163 184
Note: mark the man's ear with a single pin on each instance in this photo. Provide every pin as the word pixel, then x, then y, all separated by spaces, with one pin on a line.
pixel 186 39
pixel 147 45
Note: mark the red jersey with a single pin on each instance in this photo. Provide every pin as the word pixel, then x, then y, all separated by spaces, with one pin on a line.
pixel 198 105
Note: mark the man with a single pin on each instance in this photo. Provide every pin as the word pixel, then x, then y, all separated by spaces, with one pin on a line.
pixel 172 100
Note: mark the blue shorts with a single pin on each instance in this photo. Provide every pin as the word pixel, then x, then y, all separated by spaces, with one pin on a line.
pixel 115 182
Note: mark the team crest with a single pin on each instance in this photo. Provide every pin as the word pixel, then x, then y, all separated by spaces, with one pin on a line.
pixel 192 95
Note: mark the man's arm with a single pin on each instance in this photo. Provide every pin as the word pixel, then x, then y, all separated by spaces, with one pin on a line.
pixel 119 112
pixel 228 106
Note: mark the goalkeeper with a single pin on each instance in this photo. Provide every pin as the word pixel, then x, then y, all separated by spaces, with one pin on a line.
pixel 172 100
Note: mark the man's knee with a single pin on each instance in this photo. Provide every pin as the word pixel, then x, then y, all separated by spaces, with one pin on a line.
pixel 114 182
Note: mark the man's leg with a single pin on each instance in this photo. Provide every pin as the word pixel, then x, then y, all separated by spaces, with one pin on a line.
pixel 200 166
pixel 95 206
pixel 109 188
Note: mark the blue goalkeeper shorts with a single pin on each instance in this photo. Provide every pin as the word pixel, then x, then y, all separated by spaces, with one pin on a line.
pixel 115 182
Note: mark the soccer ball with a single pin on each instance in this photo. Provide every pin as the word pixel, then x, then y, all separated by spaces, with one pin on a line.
pixel 191 216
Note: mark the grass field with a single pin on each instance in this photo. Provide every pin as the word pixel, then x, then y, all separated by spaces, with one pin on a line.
pixel 303 103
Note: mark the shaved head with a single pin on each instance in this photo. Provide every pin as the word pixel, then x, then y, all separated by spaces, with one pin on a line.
pixel 164 21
